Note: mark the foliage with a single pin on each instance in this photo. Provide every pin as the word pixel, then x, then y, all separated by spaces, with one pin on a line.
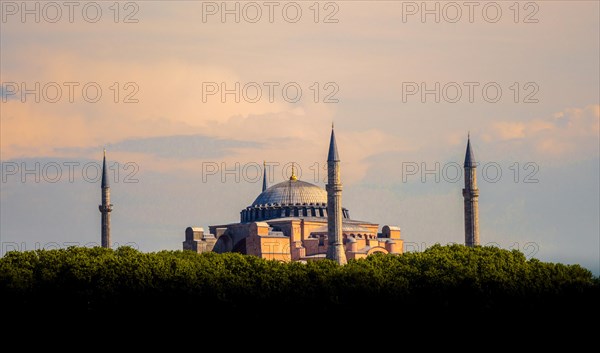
pixel 442 279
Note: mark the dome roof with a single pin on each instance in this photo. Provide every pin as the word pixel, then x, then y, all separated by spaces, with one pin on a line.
pixel 292 192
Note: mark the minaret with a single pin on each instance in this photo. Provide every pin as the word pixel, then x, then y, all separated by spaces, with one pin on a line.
pixel 471 196
pixel 335 250
pixel 264 176
pixel 106 206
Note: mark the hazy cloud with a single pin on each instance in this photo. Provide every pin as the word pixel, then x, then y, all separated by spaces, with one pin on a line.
pixel 176 146
pixel 572 134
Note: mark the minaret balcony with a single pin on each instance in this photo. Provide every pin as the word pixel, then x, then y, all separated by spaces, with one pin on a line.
pixel 107 208
pixel 470 193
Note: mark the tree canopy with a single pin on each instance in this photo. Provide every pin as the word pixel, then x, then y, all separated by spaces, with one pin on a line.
pixel 442 279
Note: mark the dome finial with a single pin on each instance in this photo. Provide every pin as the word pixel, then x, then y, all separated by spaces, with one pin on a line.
pixel 293 177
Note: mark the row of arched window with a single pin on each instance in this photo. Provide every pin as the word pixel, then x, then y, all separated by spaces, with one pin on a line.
pixel 261 213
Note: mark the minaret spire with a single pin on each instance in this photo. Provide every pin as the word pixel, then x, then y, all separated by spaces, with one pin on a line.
pixel 106 206
pixel 105 181
pixel 335 249
pixel 264 176
pixel 333 151
pixel 471 197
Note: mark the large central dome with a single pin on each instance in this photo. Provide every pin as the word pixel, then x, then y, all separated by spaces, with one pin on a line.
pixel 292 192
pixel 291 198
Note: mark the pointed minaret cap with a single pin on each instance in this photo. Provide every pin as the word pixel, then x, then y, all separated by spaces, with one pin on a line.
pixel 333 151
pixel 469 157
pixel 264 176
pixel 104 183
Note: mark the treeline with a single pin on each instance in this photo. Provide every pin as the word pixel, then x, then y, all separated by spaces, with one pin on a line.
pixel 443 279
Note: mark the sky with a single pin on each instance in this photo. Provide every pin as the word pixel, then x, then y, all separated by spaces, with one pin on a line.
pixel 189 98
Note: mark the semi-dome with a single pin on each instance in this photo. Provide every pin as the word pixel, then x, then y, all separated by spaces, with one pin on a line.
pixel 292 192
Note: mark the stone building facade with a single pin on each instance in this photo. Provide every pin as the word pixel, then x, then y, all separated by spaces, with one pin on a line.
pixel 289 222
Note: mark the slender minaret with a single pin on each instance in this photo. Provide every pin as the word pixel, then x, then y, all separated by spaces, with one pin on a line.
pixel 335 250
pixel 264 176
pixel 471 196
pixel 106 206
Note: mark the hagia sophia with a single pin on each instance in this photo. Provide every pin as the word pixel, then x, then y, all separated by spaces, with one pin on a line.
pixel 298 221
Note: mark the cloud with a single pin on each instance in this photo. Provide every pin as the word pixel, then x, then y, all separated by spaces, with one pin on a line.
pixel 572 133
pixel 509 130
pixel 302 136
pixel 169 94
pixel 176 146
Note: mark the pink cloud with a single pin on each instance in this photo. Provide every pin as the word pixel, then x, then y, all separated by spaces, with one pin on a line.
pixel 571 132
pixel 506 130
